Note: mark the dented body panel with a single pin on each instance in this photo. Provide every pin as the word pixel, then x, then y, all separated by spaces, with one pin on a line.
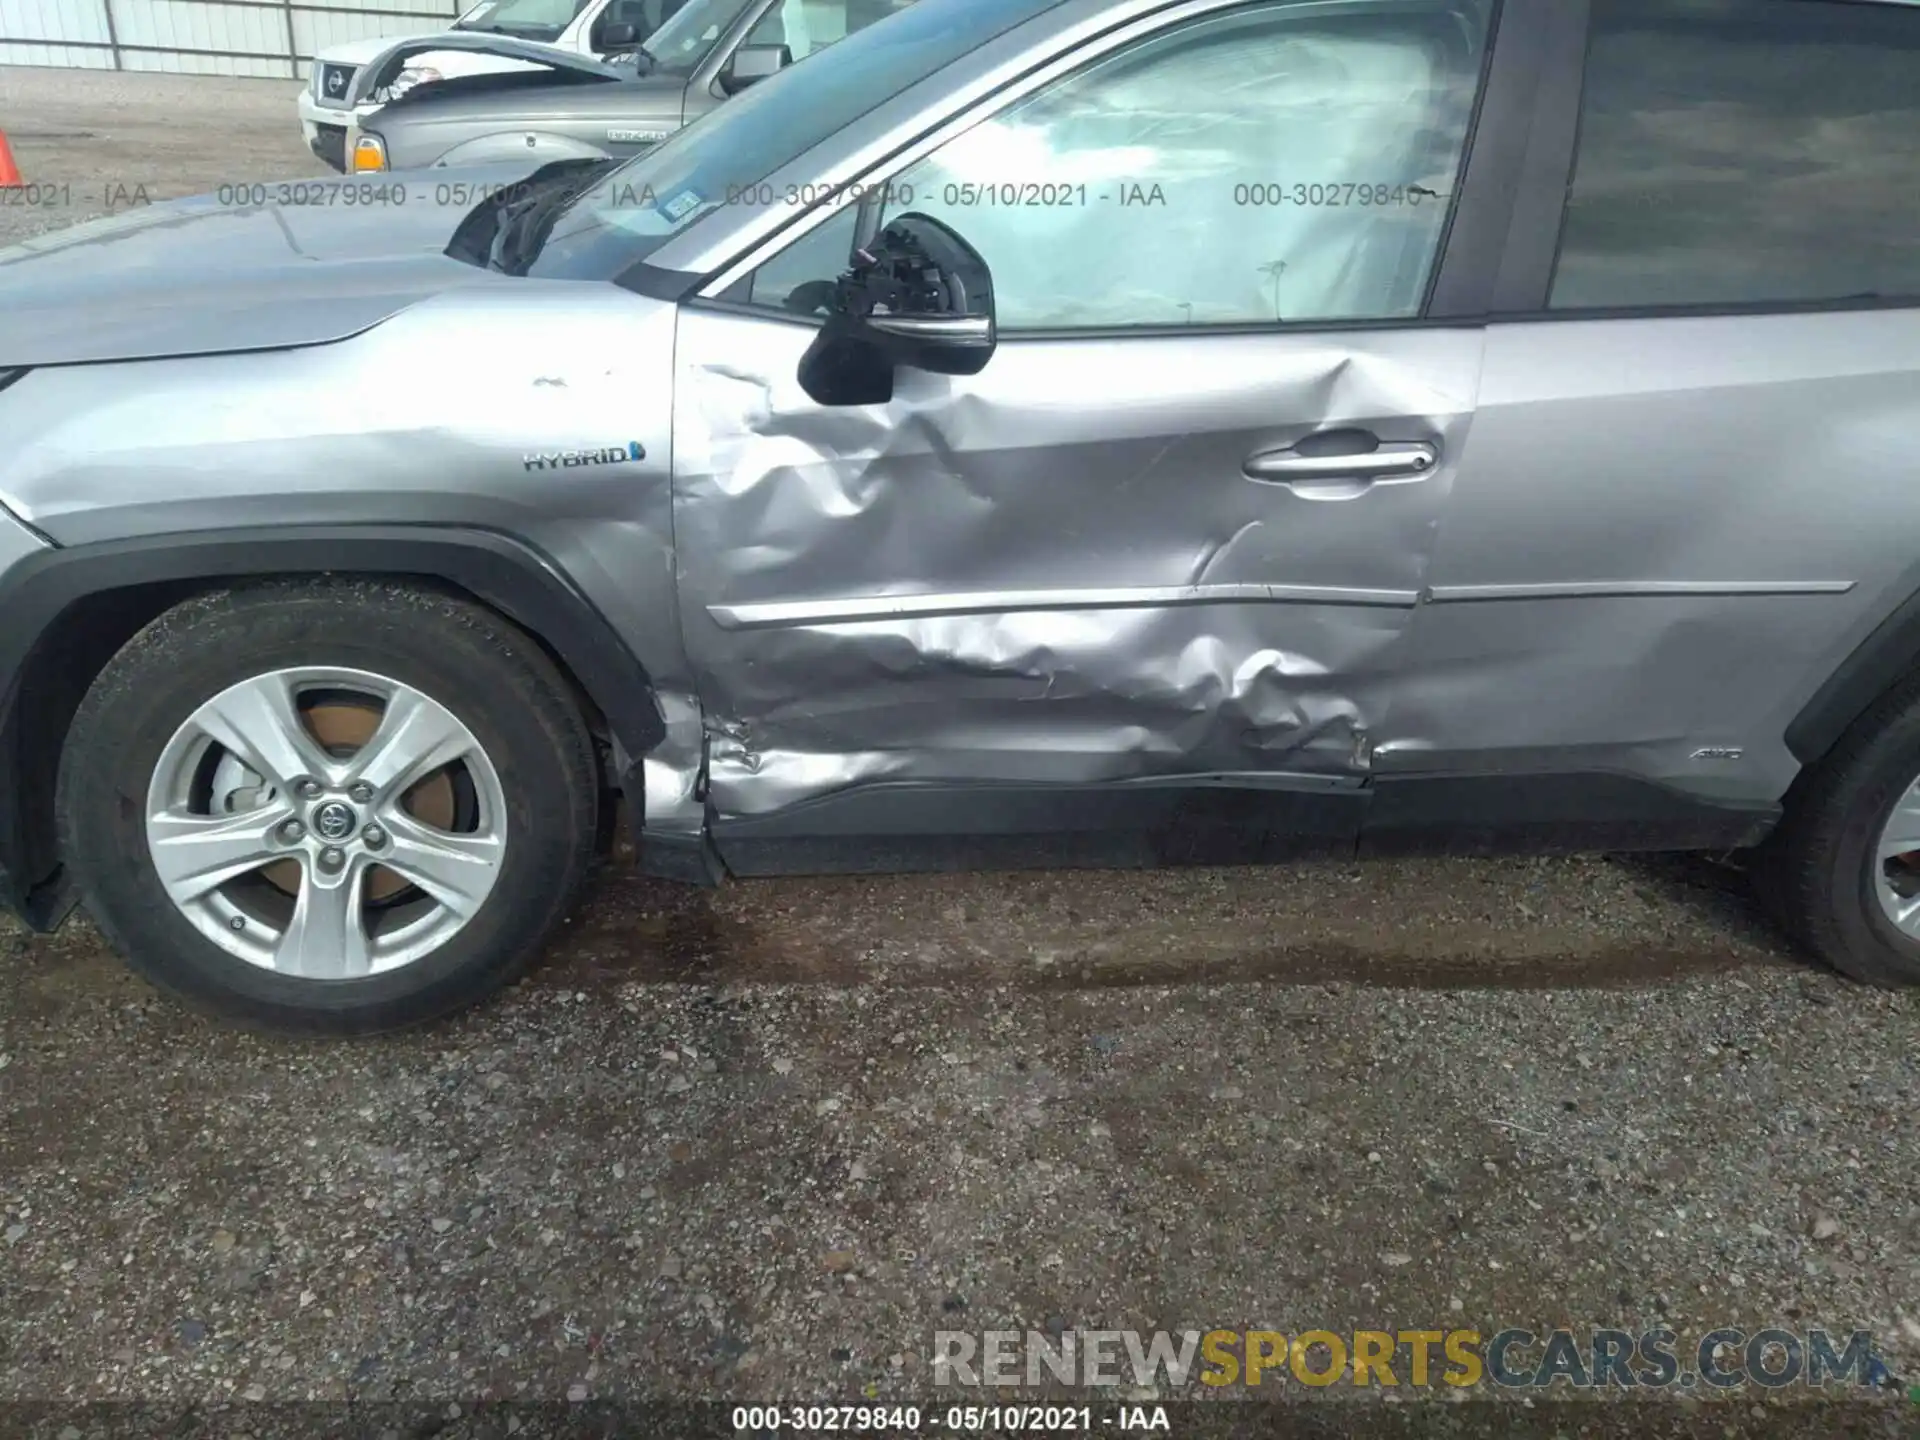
pixel 1056 572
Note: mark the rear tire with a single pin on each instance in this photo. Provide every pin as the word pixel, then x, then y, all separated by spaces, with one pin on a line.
pixel 1822 874
pixel 431 913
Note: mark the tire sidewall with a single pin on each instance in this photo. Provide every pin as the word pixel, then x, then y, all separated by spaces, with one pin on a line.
pixel 107 773
pixel 1889 769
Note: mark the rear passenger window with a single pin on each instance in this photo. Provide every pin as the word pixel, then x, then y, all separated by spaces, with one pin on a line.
pixel 1745 152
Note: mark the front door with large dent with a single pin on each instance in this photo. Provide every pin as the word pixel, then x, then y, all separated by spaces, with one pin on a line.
pixel 1158 560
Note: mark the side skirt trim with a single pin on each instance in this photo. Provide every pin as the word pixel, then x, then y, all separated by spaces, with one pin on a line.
pixel 908 828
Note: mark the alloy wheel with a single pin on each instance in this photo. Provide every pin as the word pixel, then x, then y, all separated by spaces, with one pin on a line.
pixel 326 823
pixel 1896 862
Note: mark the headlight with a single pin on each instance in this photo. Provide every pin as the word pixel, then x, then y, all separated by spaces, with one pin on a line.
pixel 369 153
pixel 411 76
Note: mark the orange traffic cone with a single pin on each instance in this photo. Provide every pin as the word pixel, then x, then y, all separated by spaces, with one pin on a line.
pixel 9 172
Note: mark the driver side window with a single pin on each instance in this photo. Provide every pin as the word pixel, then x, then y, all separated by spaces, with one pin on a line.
pixel 1262 166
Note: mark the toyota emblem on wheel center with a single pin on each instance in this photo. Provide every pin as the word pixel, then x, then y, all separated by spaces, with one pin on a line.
pixel 333 821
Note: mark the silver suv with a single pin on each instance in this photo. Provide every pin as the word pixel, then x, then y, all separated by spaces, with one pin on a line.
pixel 1033 431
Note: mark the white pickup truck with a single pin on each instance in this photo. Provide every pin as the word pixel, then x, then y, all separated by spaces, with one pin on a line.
pixel 587 27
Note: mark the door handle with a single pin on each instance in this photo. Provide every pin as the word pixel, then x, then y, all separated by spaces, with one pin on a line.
pixel 1348 461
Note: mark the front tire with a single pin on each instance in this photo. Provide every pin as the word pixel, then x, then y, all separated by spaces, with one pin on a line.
pixel 1842 872
pixel 329 807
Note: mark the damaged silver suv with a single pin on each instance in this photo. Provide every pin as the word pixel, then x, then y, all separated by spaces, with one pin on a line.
pixel 1033 431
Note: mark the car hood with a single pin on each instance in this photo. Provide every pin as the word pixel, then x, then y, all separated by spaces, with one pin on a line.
pixel 656 101
pixel 377 73
pixel 356 52
pixel 203 276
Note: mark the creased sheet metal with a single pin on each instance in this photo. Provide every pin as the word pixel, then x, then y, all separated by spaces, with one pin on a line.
pixel 1056 571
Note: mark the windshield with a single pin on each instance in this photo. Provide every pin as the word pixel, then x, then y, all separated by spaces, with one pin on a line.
pixel 683 41
pixel 523 19
pixel 653 197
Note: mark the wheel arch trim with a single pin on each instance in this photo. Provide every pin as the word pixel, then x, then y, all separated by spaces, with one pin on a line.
pixel 1890 651
pixel 501 571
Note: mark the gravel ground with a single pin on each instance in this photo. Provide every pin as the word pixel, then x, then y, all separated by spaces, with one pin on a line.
pixel 761 1144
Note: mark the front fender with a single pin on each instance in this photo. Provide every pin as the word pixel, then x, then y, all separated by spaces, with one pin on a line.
pixel 492 410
